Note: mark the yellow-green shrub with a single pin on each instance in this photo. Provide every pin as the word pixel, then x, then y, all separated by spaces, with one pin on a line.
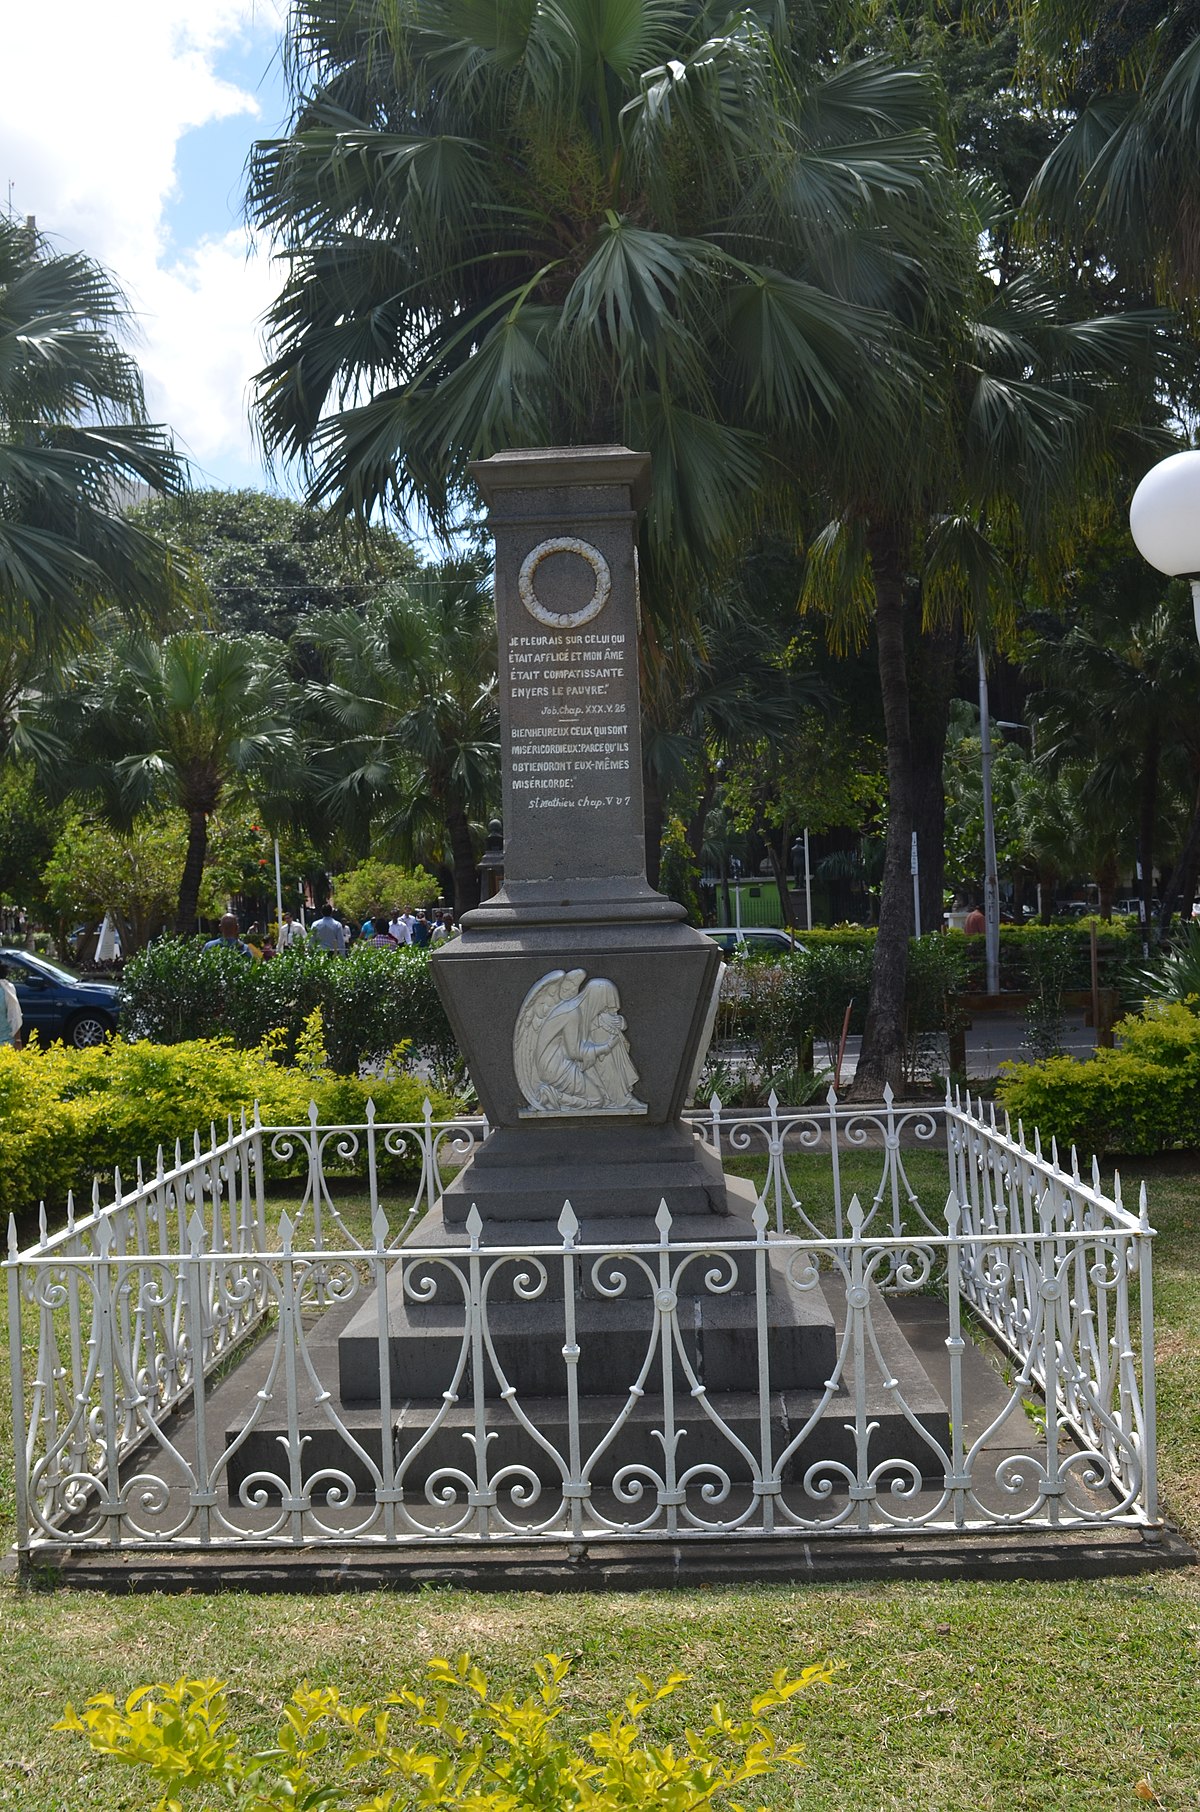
pixel 1141 1097
pixel 458 1746
pixel 66 1115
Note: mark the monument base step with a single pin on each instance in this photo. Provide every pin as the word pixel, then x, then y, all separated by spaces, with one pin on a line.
pixel 896 1445
pixel 617 1339
pixel 898 1398
pixel 618 1169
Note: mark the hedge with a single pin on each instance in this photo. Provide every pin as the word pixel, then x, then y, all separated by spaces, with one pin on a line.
pixel 1142 1097
pixel 370 1001
pixel 68 1115
pixel 777 1008
pixel 1118 945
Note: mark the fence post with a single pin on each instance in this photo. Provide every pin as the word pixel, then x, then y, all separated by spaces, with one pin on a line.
pixel 203 1497
pixel 577 1489
pixel 17 1382
pixel 959 1480
pixel 260 1204
pixel 835 1161
pixel 1145 1237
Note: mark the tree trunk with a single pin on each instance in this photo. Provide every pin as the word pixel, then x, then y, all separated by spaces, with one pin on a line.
pixel 882 1058
pixel 781 880
pixel 1178 891
pixel 699 820
pixel 933 660
pixel 193 872
pixel 466 874
pixel 653 815
pixel 1108 874
pixel 1147 814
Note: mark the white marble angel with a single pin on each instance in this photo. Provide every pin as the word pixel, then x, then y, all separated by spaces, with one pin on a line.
pixel 569 1048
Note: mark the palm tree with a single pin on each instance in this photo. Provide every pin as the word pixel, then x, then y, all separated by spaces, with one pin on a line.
pixel 184 722
pixel 75 446
pixel 1124 176
pixel 410 746
pixel 1030 403
pixel 1118 693
pixel 598 220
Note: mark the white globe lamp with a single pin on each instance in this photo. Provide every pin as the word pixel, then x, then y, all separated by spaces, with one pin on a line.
pixel 1164 519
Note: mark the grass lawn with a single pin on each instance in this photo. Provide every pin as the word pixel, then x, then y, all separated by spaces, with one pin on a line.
pixel 951 1696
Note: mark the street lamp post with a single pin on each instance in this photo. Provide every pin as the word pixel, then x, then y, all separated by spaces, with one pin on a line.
pixel 1164 519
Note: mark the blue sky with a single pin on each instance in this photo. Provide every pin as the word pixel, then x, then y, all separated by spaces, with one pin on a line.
pixel 125 131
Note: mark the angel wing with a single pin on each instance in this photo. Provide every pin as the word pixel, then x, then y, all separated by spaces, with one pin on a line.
pixel 540 1001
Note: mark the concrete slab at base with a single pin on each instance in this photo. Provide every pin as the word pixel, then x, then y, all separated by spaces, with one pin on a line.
pixel 720 1563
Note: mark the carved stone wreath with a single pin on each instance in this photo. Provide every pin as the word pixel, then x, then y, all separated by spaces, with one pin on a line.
pixel 564 544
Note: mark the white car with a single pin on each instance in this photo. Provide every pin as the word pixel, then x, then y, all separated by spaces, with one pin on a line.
pixel 753 939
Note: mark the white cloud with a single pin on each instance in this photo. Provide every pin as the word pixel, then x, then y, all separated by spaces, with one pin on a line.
pixel 200 350
pixel 96 100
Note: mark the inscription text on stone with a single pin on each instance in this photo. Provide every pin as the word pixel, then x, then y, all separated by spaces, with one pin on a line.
pixel 570 732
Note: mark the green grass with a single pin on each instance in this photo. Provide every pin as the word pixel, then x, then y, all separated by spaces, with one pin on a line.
pixel 951 1696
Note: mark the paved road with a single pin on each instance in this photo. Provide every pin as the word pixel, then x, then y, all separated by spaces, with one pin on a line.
pixel 993 1039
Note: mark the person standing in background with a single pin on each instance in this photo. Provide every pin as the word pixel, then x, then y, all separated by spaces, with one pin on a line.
pixel 11 1016
pixel 328 933
pixel 290 933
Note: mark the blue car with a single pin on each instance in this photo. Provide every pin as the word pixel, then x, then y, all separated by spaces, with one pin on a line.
pixel 57 1004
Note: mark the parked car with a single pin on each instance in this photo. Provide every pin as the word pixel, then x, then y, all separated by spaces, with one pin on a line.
pixel 752 940
pixel 57 1004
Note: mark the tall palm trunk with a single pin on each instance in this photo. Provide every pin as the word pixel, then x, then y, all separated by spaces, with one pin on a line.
pixel 1147 816
pixel 1180 888
pixel 932 663
pixel 653 819
pixel 882 1057
pixel 466 874
pixel 193 871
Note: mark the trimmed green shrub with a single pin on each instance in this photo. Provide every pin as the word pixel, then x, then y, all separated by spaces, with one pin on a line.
pixel 370 1001
pixel 67 1115
pixel 1142 1097
pixel 1119 945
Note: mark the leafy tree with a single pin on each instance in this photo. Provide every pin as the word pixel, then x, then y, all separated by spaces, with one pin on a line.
pixel 1121 186
pixel 605 220
pixel 185 722
pixel 408 741
pixel 132 874
pixel 268 561
pixel 1118 688
pixel 1029 402
pixel 736 677
pixel 74 442
pixel 29 826
pixel 376 886
pixel 964 807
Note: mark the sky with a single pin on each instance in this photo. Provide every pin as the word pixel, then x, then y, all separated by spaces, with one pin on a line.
pixel 124 130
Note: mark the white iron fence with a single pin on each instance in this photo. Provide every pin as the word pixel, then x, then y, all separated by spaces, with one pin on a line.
pixel 180 1375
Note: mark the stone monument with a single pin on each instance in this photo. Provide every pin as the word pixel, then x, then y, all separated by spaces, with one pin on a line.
pixel 584 1005
pixel 581 998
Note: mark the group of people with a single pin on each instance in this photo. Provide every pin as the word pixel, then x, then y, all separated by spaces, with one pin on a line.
pixel 332 933
pixel 404 928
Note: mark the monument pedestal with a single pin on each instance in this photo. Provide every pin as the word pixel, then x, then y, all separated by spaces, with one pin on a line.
pixel 606 1161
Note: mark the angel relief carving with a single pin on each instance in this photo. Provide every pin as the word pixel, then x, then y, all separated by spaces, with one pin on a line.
pixel 570 1052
